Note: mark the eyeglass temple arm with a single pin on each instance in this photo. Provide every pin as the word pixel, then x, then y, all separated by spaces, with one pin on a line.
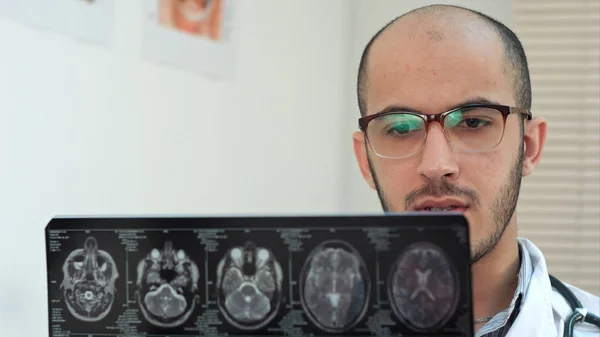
pixel 525 112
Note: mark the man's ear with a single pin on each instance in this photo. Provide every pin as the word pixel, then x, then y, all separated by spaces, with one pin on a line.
pixel 534 140
pixel 360 151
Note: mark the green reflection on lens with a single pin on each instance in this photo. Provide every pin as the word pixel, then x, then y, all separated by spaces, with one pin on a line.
pixel 454 119
pixel 403 123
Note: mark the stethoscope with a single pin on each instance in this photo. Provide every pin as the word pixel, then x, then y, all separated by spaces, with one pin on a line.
pixel 580 314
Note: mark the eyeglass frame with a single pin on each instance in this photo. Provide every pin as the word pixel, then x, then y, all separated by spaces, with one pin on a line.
pixel 505 110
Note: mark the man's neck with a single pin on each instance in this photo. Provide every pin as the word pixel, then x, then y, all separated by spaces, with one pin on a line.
pixel 495 277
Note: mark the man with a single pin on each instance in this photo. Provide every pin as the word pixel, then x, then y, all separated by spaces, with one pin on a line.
pixel 445 58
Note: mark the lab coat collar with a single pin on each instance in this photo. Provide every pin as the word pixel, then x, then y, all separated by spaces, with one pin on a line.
pixel 536 317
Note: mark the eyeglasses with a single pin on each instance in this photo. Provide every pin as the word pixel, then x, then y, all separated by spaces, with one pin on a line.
pixel 470 128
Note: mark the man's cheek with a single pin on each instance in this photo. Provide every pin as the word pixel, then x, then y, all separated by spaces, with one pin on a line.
pixel 405 178
pixel 395 188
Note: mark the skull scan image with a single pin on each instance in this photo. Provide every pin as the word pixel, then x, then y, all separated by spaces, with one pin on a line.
pixel 88 285
pixel 167 282
pixel 423 287
pixel 334 286
pixel 249 282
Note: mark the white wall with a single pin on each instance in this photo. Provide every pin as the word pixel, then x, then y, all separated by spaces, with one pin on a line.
pixel 367 18
pixel 86 130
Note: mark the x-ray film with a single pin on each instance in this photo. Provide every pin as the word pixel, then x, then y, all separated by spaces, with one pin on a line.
pixel 388 275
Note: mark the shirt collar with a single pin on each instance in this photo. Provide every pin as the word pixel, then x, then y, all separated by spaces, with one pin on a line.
pixel 501 319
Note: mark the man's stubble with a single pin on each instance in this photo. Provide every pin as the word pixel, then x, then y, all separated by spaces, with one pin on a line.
pixel 502 210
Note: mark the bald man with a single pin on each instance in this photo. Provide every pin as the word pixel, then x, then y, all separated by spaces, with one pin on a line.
pixel 445 97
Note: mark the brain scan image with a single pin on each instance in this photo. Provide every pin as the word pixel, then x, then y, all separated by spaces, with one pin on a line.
pixel 423 287
pixel 249 282
pixel 167 281
pixel 334 287
pixel 88 285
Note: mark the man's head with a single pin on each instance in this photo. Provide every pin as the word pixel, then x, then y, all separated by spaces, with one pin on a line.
pixel 432 60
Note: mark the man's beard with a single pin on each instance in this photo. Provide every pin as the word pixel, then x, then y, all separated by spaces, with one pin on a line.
pixel 503 206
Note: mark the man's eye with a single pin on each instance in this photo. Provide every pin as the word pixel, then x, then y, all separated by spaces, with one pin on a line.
pixel 402 128
pixel 473 123
pixel 472 118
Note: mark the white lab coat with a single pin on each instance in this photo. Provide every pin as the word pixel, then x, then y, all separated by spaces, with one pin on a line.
pixel 544 311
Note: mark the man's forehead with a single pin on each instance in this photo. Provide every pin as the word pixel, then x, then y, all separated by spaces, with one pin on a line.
pixel 442 21
pixel 431 32
pixel 434 56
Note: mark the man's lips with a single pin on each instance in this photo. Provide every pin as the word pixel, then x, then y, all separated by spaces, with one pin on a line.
pixel 444 204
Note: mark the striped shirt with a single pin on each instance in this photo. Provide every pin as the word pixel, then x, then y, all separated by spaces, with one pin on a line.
pixel 502 321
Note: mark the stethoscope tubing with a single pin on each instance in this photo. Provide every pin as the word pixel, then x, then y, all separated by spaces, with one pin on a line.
pixel 579 313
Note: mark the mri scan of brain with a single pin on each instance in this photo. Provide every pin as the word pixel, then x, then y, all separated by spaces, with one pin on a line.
pixel 334 286
pixel 167 283
pixel 249 282
pixel 423 287
pixel 88 285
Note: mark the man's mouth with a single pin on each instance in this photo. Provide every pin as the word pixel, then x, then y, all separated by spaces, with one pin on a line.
pixel 440 209
pixel 443 205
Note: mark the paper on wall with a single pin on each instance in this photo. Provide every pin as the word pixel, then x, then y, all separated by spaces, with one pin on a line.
pixel 27 12
pixel 194 35
pixel 89 21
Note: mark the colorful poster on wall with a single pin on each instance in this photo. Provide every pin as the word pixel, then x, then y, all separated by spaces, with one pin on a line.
pixel 194 35
pixel 89 21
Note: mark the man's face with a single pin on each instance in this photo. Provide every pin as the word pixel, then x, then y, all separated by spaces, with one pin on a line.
pixel 431 71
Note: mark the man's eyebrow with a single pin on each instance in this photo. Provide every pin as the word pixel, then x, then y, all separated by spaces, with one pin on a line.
pixel 404 108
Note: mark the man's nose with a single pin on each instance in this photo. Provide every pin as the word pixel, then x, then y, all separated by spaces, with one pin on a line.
pixel 437 157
